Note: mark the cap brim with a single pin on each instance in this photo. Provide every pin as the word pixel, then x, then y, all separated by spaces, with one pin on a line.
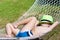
pixel 45 22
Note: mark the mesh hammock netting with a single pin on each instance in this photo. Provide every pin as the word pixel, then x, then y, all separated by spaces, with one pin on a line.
pixel 40 7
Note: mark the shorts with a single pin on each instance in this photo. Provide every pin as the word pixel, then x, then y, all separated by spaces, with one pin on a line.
pixel 24 34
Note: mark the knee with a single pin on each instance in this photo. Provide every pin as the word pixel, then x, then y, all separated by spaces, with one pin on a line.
pixel 8 25
pixel 34 18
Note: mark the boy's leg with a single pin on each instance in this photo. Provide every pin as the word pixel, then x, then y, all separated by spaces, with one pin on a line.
pixel 10 29
pixel 29 25
pixel 25 21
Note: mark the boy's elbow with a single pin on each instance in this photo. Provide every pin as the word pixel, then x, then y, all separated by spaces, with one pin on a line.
pixel 33 18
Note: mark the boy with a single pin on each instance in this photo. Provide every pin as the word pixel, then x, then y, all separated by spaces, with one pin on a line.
pixel 32 28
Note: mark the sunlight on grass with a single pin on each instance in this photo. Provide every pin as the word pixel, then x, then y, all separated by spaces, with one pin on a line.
pixel 11 10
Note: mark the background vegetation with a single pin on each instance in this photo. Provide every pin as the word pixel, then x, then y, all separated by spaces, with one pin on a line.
pixel 11 10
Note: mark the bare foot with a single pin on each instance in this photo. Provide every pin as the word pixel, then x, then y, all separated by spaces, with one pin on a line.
pixel 8 36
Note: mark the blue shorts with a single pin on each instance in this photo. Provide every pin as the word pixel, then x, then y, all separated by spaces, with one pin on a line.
pixel 23 34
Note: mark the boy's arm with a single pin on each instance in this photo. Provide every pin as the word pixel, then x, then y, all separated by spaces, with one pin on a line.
pixel 53 26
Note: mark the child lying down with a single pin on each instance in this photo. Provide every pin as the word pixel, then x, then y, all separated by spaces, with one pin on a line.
pixel 32 27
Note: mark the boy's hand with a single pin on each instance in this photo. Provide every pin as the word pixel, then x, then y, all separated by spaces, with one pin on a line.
pixel 58 22
pixel 14 25
pixel 36 23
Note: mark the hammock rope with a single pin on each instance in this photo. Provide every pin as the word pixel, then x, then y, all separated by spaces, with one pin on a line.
pixel 40 7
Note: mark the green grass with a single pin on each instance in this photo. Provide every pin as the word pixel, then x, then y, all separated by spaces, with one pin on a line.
pixel 11 10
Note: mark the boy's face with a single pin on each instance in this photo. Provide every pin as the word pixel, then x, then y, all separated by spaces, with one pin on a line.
pixel 45 25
